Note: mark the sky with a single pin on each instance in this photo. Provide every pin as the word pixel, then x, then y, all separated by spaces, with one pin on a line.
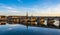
pixel 33 7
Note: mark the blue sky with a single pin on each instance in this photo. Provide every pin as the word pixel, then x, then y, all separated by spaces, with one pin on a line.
pixel 33 7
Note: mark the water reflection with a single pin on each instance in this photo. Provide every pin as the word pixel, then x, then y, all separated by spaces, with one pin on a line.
pixel 18 29
pixel 56 23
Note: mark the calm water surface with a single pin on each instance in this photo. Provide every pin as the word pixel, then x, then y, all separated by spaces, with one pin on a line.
pixel 18 29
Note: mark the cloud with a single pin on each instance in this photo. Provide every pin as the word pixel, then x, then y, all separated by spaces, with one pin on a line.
pixel 11 9
pixel 56 23
pixel 46 11
pixel 8 8
pixel 20 1
pixel 53 10
pixel 9 29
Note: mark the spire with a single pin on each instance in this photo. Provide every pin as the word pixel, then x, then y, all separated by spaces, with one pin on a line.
pixel 31 15
pixel 27 22
pixel 27 14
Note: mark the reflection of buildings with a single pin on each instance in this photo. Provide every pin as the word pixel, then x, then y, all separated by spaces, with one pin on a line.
pixel 3 23
pixel 13 19
pixel 33 20
pixel 29 20
pixel 50 22
pixel 3 20
pixel 42 20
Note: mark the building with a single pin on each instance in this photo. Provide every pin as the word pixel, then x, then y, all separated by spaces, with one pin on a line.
pixel 3 20
pixel 13 19
pixel 41 21
pixel 33 21
pixel 3 23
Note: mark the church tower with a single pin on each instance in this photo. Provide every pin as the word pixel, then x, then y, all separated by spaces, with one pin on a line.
pixel 27 14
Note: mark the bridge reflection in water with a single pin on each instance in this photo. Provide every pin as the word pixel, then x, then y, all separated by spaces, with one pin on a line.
pixel 48 22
